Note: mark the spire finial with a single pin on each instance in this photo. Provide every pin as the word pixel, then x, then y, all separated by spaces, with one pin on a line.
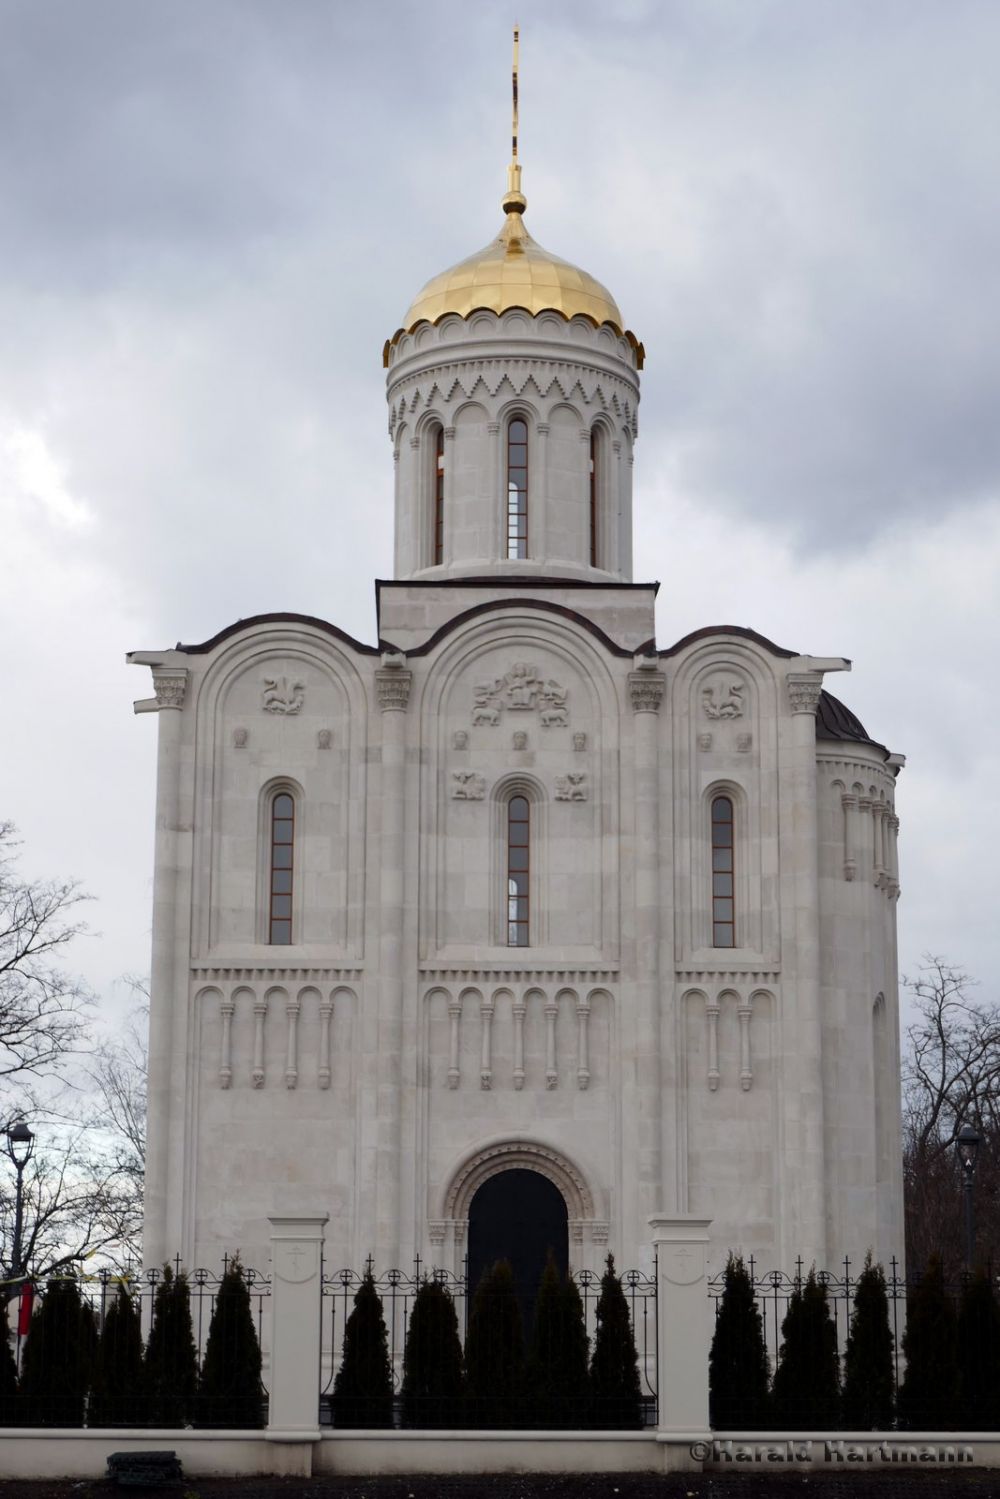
pixel 517 36
pixel 514 200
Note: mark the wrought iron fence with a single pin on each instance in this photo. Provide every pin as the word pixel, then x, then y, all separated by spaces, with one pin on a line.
pixel 68 1350
pixel 397 1290
pixel 773 1290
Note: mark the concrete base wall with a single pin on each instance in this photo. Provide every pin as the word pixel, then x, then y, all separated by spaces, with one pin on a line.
pixel 50 1453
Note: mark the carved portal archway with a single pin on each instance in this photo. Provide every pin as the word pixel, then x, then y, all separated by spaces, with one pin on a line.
pixel 449 1230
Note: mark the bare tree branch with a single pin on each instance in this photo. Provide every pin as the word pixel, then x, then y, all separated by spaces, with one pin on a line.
pixel 951 1076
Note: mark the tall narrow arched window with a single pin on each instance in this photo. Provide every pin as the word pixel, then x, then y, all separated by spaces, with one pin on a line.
pixel 723 873
pixel 518 871
pixel 595 486
pixel 517 488
pixel 437 483
pixel 279 922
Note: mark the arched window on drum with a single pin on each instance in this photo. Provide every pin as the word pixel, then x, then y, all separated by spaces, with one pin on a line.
pixel 723 873
pixel 517 488
pixel 437 492
pixel 281 861
pixel 595 496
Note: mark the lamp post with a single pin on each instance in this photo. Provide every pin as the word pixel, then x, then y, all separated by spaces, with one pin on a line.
pixel 967 1143
pixel 20 1144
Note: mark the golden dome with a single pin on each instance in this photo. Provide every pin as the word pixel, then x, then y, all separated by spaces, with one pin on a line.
pixel 514 271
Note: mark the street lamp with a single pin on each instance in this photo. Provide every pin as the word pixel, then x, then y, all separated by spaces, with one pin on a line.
pixel 20 1144
pixel 967 1143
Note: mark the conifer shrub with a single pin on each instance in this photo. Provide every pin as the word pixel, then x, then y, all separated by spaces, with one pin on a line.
pixel 229 1390
pixel 556 1373
pixel 738 1376
pixel 171 1364
pixel 616 1402
pixel 979 1354
pixel 362 1390
pixel 9 1412
pixel 807 1379
pixel 56 1357
pixel 432 1361
pixel 868 1397
pixel 117 1389
pixel 928 1395
pixel 494 1352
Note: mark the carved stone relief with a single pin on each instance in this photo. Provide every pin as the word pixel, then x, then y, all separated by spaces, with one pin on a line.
pixel 521 690
pixel 280 696
pixel 468 786
pixel 324 739
pixel 704 741
pixel 571 787
pixel 723 698
pixel 744 743
pixel 460 739
pixel 240 737
pixel 579 741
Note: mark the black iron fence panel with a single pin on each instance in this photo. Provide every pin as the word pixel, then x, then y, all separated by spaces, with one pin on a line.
pixel 97 1350
pixel 526 1404
pixel 774 1289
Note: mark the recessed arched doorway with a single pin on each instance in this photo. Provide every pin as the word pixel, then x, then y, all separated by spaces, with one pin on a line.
pixel 520 1216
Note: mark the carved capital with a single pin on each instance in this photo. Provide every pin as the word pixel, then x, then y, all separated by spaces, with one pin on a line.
pixel 803 693
pixel 646 690
pixel 393 683
pixel 170 685
pixel 848 799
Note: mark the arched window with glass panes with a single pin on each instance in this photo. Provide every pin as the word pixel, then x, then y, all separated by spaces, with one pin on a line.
pixel 723 873
pixel 281 867
pixel 437 492
pixel 595 496
pixel 517 488
pixel 518 860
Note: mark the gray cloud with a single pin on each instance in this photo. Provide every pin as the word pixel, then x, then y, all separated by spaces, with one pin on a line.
pixel 213 215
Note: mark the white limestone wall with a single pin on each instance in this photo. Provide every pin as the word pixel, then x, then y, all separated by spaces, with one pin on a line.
pixel 859 888
pixel 399 1050
pixel 470 377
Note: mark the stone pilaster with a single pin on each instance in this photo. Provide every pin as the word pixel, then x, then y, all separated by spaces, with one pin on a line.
pixel 647 687
pixel 804 1149
pixel 168 982
pixel 393 682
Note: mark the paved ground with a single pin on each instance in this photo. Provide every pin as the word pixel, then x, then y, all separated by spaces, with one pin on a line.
pixel 871 1484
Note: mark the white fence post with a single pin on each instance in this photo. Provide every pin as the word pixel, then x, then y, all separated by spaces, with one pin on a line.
pixel 683 1324
pixel 296 1294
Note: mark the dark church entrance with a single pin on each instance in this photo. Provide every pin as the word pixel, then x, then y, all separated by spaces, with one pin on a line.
pixel 518 1216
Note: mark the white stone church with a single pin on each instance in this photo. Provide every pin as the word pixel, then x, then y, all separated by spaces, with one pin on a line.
pixel 517 928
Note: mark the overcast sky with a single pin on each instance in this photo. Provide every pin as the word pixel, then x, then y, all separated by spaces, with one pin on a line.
pixel 213 213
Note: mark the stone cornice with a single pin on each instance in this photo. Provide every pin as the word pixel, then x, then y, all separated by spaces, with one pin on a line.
pixel 253 973
pixel 541 972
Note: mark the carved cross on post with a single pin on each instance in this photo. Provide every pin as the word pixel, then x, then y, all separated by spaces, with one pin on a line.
pixel 294 1252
